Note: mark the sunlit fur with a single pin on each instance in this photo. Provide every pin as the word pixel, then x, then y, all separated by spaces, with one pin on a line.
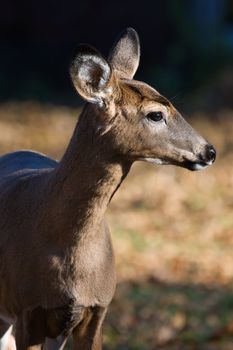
pixel 57 267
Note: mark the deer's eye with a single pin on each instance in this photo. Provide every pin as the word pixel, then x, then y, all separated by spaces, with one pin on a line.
pixel 155 116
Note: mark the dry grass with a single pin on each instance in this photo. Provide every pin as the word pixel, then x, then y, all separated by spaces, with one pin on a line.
pixel 172 232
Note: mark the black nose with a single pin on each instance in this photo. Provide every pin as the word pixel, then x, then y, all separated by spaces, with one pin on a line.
pixel 210 155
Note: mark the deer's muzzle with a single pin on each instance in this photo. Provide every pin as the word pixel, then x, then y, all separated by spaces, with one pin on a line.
pixel 204 159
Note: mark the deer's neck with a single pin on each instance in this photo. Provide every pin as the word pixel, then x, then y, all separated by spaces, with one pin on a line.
pixel 85 180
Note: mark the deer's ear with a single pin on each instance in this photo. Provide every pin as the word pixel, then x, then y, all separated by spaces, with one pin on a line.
pixel 90 74
pixel 125 54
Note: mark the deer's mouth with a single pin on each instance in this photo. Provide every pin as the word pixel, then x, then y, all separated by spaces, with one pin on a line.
pixel 189 160
pixel 195 165
pixel 187 164
pixel 202 161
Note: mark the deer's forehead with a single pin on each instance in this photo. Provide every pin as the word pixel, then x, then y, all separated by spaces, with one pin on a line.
pixel 144 96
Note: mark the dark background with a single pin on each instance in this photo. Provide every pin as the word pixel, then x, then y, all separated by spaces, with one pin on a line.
pixel 185 44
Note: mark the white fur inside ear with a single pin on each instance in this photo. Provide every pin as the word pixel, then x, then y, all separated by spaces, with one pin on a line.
pixel 101 96
pixel 90 74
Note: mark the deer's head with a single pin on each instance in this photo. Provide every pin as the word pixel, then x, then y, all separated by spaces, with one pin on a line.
pixel 138 122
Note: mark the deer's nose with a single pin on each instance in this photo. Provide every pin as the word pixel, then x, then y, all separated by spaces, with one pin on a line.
pixel 210 154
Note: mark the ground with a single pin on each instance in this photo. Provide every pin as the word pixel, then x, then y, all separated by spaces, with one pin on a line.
pixel 172 233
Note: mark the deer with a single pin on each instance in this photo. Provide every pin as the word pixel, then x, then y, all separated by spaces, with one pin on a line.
pixel 57 267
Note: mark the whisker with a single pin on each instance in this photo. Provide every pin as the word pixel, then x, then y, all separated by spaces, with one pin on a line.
pixel 175 96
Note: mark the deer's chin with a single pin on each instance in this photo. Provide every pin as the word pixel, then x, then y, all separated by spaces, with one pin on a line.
pixel 194 166
pixel 157 161
pixel 190 165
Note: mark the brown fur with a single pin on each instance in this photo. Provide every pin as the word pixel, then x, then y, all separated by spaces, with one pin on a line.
pixel 57 266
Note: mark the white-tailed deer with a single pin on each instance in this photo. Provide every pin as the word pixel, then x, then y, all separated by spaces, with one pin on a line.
pixel 57 273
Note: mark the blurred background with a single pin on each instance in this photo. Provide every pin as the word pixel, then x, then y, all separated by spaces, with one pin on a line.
pixel 172 229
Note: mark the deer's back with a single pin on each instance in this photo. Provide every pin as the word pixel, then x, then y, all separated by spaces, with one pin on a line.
pixel 22 175
pixel 19 161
